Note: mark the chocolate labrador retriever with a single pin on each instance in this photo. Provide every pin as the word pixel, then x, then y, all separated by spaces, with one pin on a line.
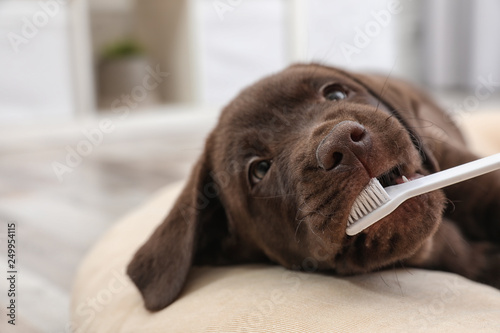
pixel 286 161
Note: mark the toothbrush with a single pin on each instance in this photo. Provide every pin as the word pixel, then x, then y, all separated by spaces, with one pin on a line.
pixel 375 202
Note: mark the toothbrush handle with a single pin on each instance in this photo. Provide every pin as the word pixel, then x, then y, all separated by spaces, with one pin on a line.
pixel 447 177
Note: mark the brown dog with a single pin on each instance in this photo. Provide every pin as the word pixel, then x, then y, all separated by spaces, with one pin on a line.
pixel 284 165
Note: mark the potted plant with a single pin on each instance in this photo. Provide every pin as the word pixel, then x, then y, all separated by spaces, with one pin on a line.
pixel 122 69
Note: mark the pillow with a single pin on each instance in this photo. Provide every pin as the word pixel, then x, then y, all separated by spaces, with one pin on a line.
pixel 481 131
pixel 265 298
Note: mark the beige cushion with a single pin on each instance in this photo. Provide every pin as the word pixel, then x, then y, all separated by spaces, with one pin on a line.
pixel 482 131
pixel 260 298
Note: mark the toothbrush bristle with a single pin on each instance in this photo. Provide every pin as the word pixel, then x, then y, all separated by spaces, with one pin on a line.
pixel 370 198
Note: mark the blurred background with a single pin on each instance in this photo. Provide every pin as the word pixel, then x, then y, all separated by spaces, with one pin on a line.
pixel 104 102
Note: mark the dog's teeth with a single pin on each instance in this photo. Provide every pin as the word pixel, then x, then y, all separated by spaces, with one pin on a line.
pixel 405 179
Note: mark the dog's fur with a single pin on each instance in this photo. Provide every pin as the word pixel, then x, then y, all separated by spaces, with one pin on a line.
pixel 322 153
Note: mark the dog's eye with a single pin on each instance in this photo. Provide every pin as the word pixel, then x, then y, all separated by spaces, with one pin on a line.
pixel 334 92
pixel 258 170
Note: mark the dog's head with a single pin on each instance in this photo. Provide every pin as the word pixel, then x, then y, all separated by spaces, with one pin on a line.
pixel 280 173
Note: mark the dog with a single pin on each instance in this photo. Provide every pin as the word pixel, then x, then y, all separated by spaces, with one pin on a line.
pixel 285 163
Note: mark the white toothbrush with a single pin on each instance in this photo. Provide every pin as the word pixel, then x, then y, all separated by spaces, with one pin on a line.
pixel 376 202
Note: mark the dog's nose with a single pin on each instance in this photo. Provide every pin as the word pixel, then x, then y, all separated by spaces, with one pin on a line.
pixel 348 143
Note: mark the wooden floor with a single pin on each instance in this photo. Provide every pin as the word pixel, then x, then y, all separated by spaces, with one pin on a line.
pixel 58 221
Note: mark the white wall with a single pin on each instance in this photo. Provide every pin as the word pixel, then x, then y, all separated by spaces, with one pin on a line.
pixel 35 80
pixel 240 46
pixel 236 47
pixel 348 34
pixel 251 40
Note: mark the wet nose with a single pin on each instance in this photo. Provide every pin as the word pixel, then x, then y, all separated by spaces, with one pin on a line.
pixel 347 144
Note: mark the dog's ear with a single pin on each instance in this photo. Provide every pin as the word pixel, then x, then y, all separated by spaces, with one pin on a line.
pixel 197 222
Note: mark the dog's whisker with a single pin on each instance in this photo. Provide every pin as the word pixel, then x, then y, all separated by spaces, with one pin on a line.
pixel 311 229
pixel 297 229
pixel 275 196
pixel 383 280
pixel 383 88
pixel 398 282
pixel 450 203
pixel 313 194
pixel 307 213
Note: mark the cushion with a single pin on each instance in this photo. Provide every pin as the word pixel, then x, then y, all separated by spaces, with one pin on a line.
pixel 265 298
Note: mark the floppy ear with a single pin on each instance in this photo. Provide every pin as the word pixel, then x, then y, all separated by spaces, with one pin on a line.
pixel 160 267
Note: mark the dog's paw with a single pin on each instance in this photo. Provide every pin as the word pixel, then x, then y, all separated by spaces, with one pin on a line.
pixel 490 273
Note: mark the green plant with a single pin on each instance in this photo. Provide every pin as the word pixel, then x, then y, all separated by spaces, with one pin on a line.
pixel 122 49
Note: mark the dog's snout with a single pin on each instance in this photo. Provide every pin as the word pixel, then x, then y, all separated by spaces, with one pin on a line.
pixel 347 143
